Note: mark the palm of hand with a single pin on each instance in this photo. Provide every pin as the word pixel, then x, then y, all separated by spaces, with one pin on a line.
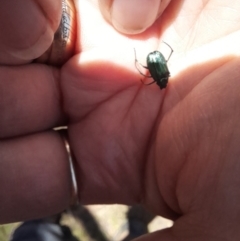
pixel 174 150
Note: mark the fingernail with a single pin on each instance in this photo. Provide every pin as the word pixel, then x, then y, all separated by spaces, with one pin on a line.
pixel 134 16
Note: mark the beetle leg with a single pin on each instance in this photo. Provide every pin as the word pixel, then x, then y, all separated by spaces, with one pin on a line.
pixel 148 83
pixel 141 65
pixel 136 61
pixel 171 51
pixel 147 76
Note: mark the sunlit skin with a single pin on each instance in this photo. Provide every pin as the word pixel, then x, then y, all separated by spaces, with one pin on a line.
pixel 174 150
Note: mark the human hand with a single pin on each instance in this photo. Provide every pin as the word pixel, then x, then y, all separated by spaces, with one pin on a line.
pixel 34 174
pixel 176 150
pixel 120 173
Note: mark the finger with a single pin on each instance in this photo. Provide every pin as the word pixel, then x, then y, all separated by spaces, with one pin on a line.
pixel 132 17
pixel 29 99
pixel 35 178
pixel 27 29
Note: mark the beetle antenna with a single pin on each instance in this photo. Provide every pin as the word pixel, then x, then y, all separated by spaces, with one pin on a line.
pixel 171 51
pixel 135 54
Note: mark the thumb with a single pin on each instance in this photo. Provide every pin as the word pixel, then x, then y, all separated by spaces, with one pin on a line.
pixel 132 17
pixel 27 28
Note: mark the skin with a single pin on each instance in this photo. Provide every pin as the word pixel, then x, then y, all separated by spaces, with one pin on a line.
pixel 176 151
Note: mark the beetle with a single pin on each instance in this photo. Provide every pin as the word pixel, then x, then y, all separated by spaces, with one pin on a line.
pixel 157 67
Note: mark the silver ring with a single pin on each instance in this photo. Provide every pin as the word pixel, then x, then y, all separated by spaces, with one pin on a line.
pixel 63 46
pixel 74 197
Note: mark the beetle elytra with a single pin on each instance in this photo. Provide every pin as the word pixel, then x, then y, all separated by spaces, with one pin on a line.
pixel 157 66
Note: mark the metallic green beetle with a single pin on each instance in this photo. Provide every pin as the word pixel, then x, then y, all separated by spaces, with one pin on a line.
pixel 157 66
